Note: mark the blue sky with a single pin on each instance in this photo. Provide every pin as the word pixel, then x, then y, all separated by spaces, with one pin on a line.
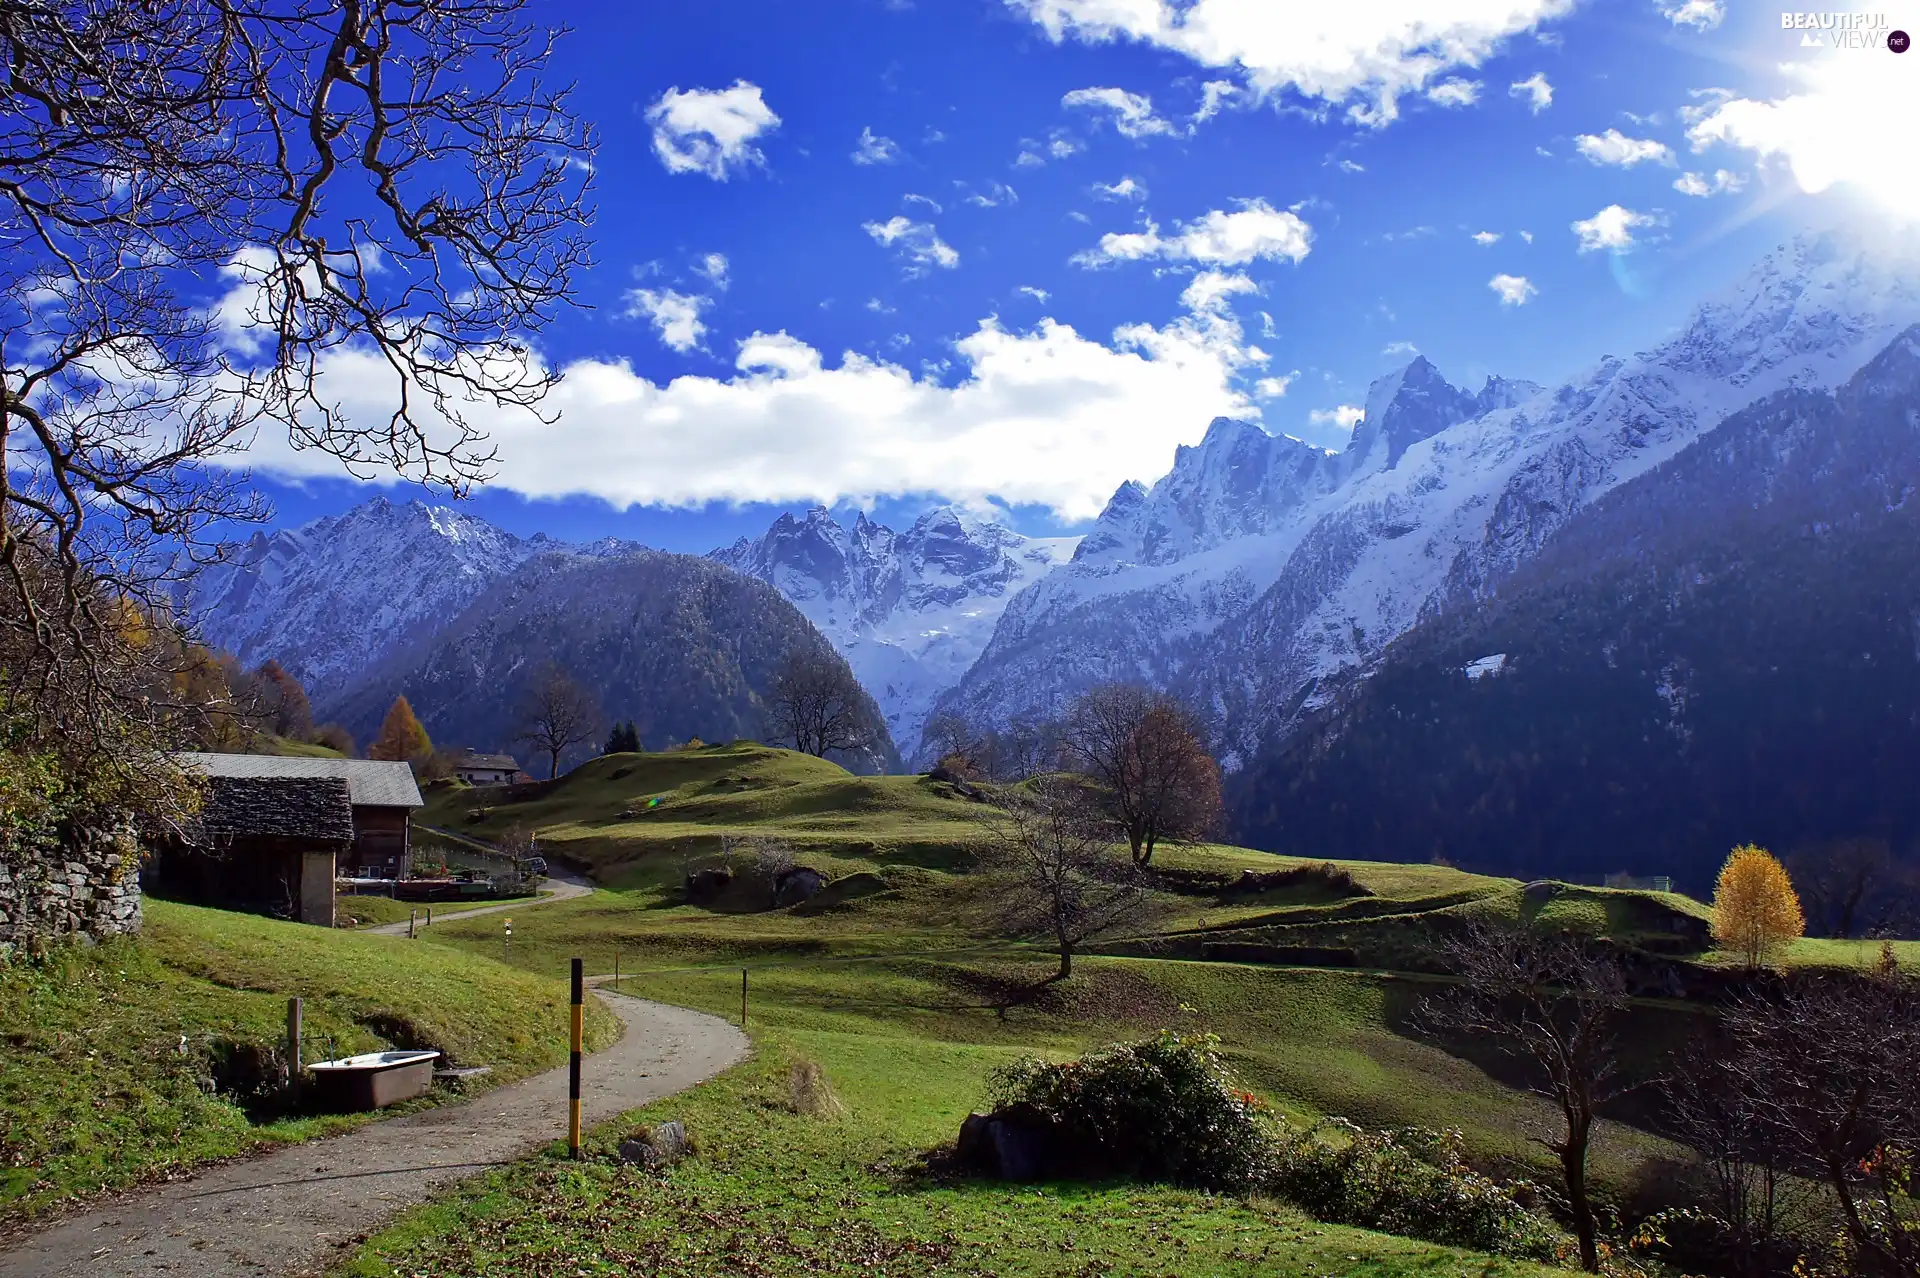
pixel 880 254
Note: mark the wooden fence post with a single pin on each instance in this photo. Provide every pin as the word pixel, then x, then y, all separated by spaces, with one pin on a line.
pixel 743 998
pixel 413 916
pixel 573 1063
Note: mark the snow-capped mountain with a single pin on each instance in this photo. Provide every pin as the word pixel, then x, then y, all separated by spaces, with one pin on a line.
pixel 909 610
pixel 332 598
pixel 1259 566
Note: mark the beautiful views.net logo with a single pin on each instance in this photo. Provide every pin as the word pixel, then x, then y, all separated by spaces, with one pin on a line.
pixel 1845 31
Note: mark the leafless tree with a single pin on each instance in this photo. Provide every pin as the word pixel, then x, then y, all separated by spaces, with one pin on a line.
pixel 1751 1188
pixel 1147 753
pixel 381 189
pixel 817 704
pixel 1829 1061
pixel 1852 887
pixel 1061 874
pixel 1552 1004
pixel 556 714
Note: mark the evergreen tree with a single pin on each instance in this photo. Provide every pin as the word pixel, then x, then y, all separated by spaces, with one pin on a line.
pixel 623 739
pixel 401 738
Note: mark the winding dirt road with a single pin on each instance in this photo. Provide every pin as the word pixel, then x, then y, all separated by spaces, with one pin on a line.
pixel 291 1211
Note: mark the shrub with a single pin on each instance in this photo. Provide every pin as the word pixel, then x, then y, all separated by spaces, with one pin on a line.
pixel 810 1093
pixel 1411 1181
pixel 1166 1109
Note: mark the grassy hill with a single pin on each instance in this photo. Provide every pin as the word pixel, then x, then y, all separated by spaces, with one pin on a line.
pixel 117 1060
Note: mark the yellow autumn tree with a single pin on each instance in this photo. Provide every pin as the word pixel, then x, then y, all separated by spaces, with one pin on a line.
pixel 401 738
pixel 1755 909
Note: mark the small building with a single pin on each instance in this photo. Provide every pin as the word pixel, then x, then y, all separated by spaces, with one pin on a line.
pixel 267 845
pixel 486 769
pixel 383 796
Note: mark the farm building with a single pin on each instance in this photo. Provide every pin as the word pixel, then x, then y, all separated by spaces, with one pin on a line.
pixel 275 832
pixel 260 844
pixel 485 769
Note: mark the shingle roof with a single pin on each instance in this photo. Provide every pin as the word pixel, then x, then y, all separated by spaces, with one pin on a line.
pixel 492 762
pixel 290 807
pixel 372 783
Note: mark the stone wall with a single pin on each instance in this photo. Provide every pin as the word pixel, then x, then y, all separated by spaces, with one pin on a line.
pixel 88 888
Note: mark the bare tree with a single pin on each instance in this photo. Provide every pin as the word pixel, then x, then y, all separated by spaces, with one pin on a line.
pixel 1762 1207
pixel 817 704
pixel 1829 1061
pixel 1851 887
pixel 1552 1004
pixel 1147 753
pixel 556 714
pixel 379 188
pixel 1061 874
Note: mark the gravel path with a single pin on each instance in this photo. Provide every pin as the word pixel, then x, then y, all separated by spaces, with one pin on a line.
pixel 290 1211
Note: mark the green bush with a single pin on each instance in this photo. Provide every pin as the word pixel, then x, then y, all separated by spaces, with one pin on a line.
pixel 1413 1182
pixel 1167 1109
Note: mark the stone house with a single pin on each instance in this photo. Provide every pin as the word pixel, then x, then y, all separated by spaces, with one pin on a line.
pixel 268 845
pixel 383 796
pixel 485 769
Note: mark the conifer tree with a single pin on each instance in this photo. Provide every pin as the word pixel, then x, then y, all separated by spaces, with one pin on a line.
pixel 402 738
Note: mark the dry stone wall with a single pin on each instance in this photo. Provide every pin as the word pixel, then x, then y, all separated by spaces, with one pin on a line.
pixel 88 888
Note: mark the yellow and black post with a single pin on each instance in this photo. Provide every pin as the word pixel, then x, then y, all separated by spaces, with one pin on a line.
pixel 573 1064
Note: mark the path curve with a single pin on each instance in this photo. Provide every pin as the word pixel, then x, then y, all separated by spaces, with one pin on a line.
pixel 291 1211
pixel 562 885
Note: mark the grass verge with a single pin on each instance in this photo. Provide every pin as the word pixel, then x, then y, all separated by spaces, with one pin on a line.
pixel 107 1055
pixel 773 1191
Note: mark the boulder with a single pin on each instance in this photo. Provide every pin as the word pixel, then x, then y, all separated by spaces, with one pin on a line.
pixel 705 885
pixel 801 883
pixel 1014 1143
pixel 656 1147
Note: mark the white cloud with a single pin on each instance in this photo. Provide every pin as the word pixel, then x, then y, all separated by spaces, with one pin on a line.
pixel 874 149
pixel 1615 147
pixel 1029 159
pixel 1352 166
pixel 710 131
pixel 714 268
pixel 1256 230
pixel 1702 184
pixel 1210 291
pixel 1400 348
pixel 996 195
pixel 929 201
pixel 1363 57
pixel 1125 189
pixel 1486 237
pixel 1044 416
pixel 879 307
pixel 1132 113
pixel 1612 228
pixel 1454 93
pixel 1514 290
pixel 1273 387
pixel 1535 89
pixel 1062 146
pixel 675 316
pixel 917 242
pixel 1039 295
pixel 1527 236
pixel 1214 95
pixel 1703 15
pixel 1825 132
pixel 1346 416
